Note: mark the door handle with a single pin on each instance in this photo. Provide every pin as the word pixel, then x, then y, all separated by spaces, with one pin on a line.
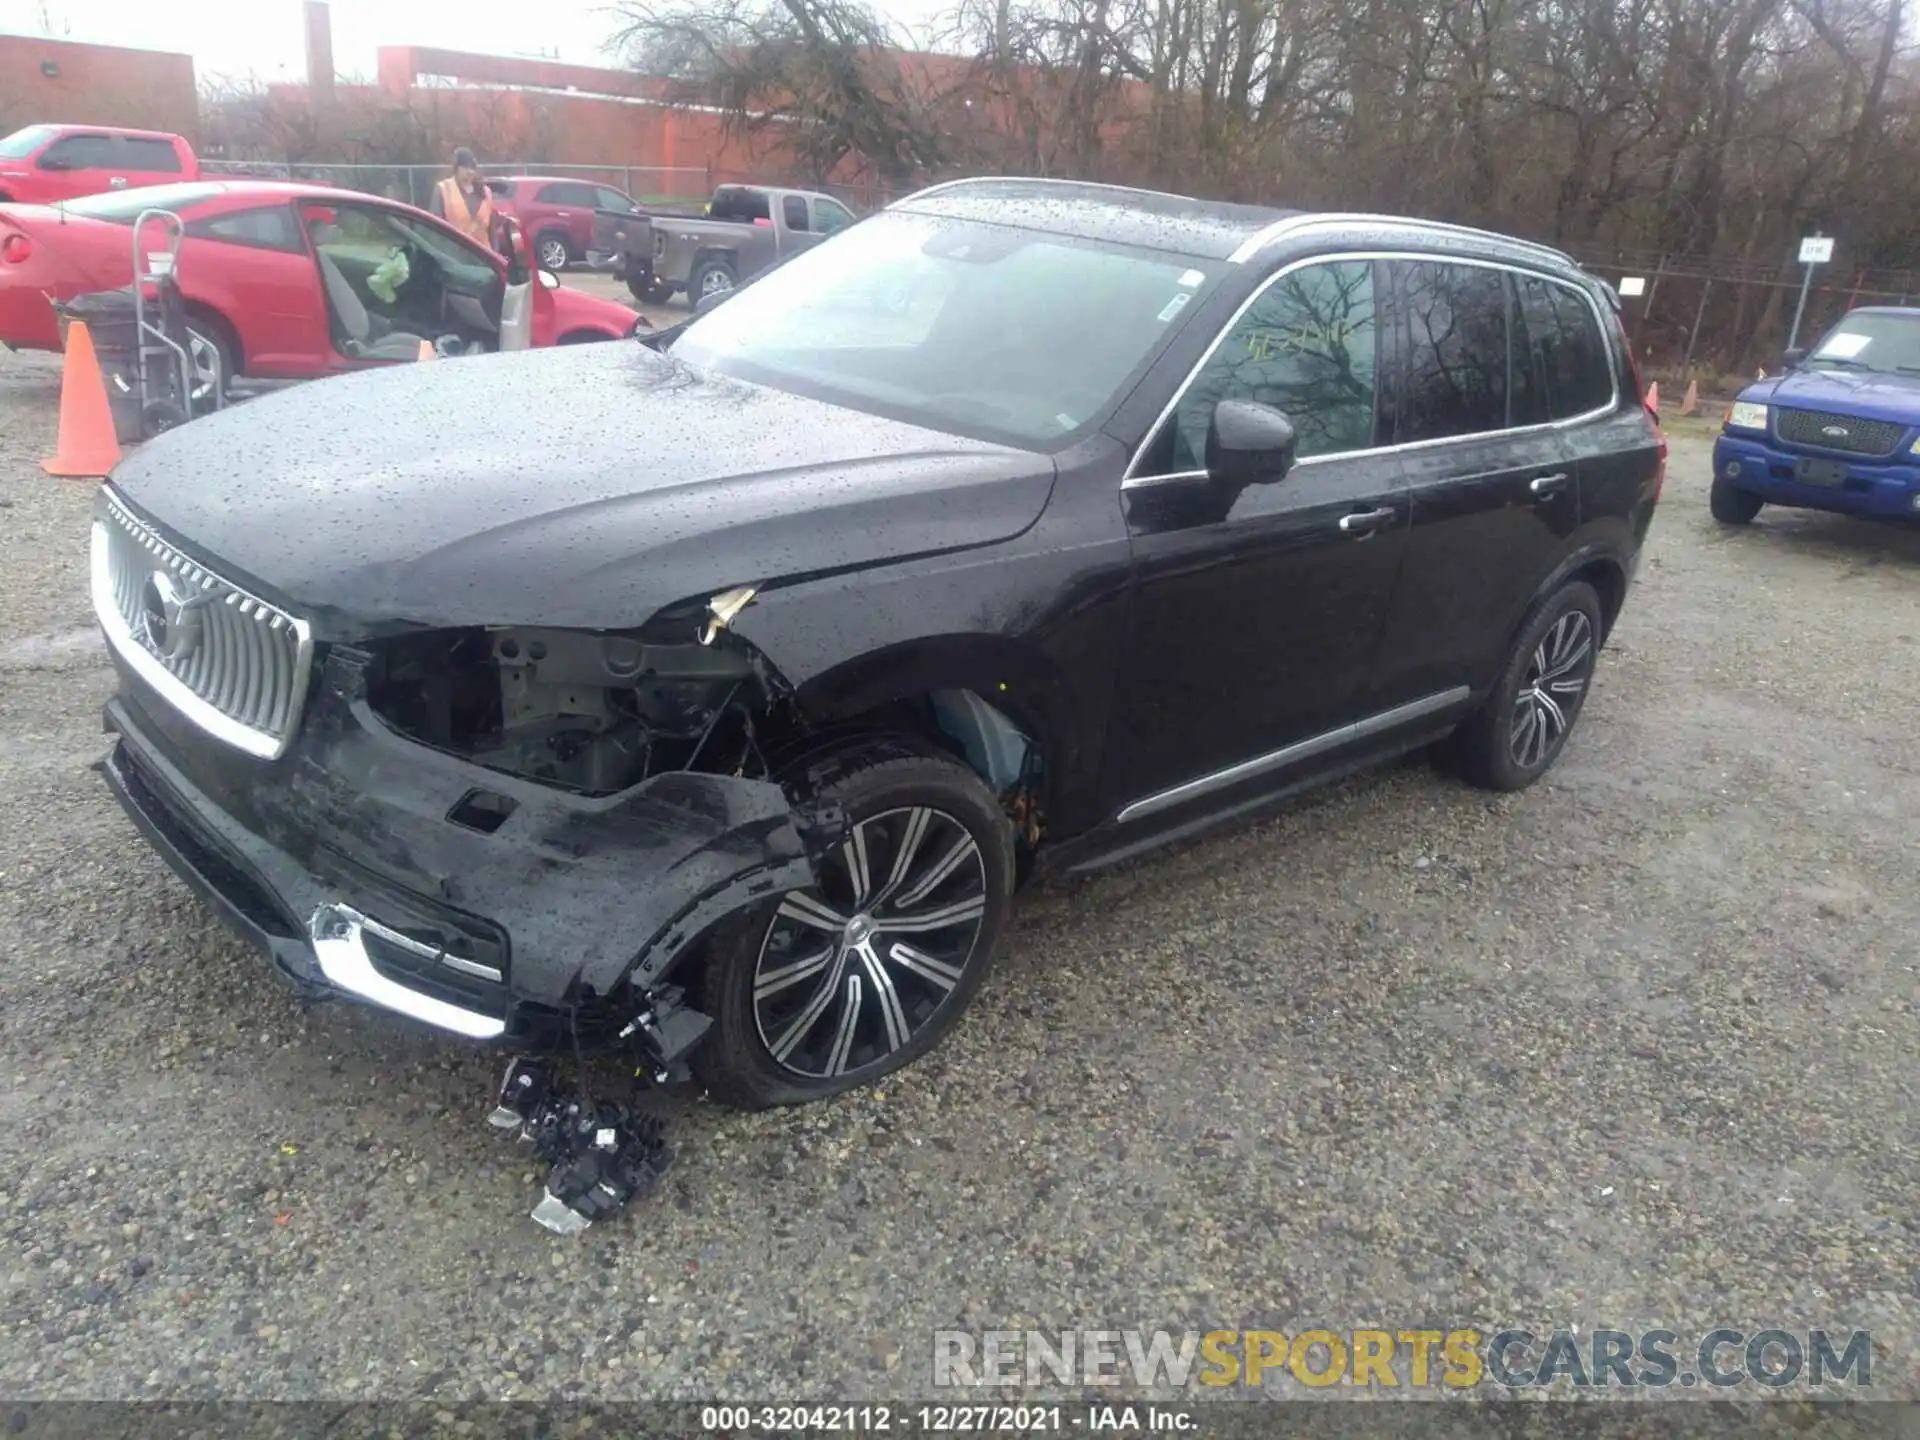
pixel 563 214
pixel 1364 522
pixel 1545 485
pixel 118 182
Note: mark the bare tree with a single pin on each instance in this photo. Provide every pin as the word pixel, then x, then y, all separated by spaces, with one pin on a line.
pixel 820 79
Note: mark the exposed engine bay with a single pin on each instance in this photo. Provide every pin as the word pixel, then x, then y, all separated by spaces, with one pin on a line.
pixel 591 713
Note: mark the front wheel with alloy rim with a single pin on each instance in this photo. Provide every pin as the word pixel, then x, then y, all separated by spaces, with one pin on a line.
pixel 1517 735
pixel 831 987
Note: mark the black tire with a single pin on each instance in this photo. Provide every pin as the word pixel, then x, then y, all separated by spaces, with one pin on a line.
pixel 1516 737
pixel 658 293
pixel 552 251
pixel 1730 504
pixel 883 784
pixel 710 277
pixel 159 417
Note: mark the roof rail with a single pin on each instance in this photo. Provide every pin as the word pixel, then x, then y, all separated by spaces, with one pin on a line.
pixel 945 185
pixel 1295 223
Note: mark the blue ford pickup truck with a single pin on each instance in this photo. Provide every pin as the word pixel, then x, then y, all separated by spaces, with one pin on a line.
pixel 1839 431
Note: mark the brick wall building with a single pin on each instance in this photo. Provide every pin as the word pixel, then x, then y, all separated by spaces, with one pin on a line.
pixel 57 81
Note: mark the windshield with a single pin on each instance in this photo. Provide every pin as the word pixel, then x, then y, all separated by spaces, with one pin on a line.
pixel 22 143
pixel 124 206
pixel 1884 340
pixel 981 329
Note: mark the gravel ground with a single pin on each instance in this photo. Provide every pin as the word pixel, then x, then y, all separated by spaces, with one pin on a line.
pixel 1634 1048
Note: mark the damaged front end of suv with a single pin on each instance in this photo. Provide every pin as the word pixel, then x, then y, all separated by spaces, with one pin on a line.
pixel 489 749
pixel 509 834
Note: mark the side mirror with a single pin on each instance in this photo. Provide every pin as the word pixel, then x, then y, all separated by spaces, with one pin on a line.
pixel 1249 444
pixel 54 162
pixel 1794 356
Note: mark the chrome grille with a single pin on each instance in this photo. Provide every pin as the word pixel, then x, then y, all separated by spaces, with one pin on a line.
pixel 233 664
pixel 1839 432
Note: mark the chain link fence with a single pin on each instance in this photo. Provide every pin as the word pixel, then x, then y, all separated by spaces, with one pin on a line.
pixel 685 186
pixel 1707 319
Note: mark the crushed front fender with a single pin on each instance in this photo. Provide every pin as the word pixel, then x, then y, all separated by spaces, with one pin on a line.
pixel 476 902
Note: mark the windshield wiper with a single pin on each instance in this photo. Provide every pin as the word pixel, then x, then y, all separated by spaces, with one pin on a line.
pixel 1838 360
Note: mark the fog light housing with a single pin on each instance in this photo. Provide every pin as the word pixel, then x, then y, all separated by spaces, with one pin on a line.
pixel 1733 469
pixel 1916 501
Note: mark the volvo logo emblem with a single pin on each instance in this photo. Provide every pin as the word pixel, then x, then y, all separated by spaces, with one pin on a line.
pixel 1838 432
pixel 172 619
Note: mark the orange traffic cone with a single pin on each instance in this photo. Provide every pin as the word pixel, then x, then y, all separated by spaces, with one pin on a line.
pixel 87 444
pixel 1690 402
pixel 1653 397
pixel 426 351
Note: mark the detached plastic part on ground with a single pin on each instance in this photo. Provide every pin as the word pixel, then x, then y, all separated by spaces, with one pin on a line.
pixel 602 1156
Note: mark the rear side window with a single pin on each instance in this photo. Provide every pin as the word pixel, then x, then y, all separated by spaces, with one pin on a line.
pixel 1557 338
pixel 1535 328
pixel 793 210
pixel 1582 378
pixel 150 155
pixel 269 228
pixel 606 199
pixel 570 193
pixel 1453 321
pixel 1305 346
pixel 731 202
pixel 81 152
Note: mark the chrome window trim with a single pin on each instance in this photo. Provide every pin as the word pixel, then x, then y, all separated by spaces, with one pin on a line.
pixel 1291 754
pixel 1131 481
pixel 175 691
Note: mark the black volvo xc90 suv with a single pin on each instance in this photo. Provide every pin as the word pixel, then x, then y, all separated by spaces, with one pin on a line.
pixel 1023 526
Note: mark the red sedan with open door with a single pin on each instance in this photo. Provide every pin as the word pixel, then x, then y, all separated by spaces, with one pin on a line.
pixel 286 281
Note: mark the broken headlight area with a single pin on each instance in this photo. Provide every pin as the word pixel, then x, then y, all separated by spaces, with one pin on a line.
pixel 594 713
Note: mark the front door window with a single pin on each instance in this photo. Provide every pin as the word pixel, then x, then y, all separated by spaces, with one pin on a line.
pixel 1305 346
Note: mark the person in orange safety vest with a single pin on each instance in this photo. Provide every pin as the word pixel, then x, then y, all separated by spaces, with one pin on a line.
pixel 463 201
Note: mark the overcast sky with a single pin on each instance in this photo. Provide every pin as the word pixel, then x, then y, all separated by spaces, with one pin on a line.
pixel 264 37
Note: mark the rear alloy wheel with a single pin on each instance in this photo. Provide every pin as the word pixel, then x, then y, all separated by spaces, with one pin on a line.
pixel 1730 504
pixel 836 985
pixel 1521 730
pixel 553 252
pixel 713 277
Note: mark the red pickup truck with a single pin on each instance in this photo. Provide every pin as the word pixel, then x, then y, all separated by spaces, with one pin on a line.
pixel 45 164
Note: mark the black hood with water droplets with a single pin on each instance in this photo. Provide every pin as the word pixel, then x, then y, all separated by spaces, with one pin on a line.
pixel 584 486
